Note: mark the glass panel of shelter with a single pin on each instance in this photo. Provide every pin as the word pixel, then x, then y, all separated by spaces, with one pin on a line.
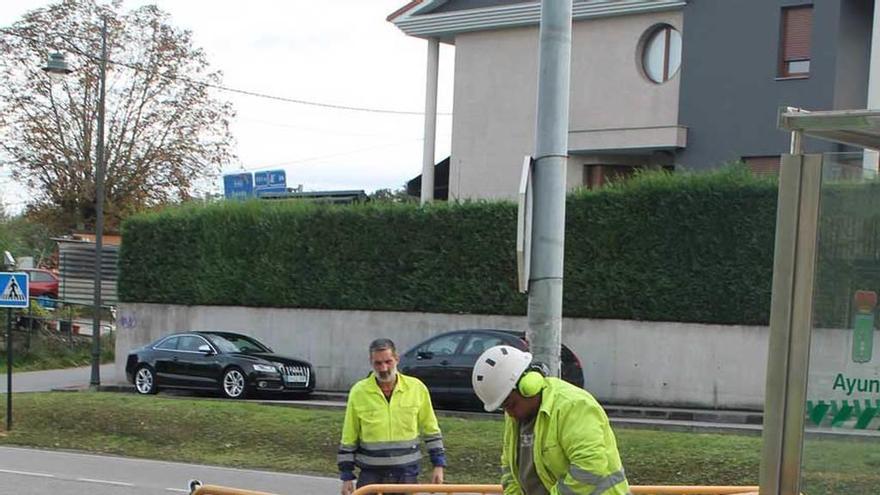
pixel 841 450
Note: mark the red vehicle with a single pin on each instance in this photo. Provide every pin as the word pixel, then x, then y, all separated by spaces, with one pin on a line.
pixel 42 283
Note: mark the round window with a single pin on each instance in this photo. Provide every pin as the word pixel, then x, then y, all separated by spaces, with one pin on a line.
pixel 661 53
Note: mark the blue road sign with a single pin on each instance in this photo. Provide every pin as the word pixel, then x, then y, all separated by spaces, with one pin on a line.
pixel 13 290
pixel 238 186
pixel 270 182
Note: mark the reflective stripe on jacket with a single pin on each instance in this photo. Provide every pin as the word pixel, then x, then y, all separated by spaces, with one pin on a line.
pixel 575 450
pixel 382 434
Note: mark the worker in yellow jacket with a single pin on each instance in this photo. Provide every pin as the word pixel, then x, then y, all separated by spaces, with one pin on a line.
pixel 387 415
pixel 557 439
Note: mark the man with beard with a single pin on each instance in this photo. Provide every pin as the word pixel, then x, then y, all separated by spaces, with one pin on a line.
pixel 386 416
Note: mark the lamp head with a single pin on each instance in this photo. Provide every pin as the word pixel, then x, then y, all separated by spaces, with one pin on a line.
pixel 56 66
pixel 8 260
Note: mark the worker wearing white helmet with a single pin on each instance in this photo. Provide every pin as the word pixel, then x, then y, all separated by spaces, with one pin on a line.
pixel 557 439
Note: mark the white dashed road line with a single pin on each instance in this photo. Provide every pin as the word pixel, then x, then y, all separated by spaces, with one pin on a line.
pixel 105 482
pixel 27 473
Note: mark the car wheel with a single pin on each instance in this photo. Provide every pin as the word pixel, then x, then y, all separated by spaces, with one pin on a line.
pixel 234 384
pixel 145 380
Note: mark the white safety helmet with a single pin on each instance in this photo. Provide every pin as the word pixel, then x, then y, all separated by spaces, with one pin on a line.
pixel 496 373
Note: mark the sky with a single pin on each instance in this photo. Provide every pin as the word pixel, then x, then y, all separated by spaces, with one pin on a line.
pixel 340 52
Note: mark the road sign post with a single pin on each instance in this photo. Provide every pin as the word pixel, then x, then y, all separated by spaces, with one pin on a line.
pixel 13 294
pixel 8 369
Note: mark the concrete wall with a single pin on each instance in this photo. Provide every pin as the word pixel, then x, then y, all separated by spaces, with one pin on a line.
pixel 730 91
pixel 625 362
pixel 612 103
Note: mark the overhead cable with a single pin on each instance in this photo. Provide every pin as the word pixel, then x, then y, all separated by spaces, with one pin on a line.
pixel 246 92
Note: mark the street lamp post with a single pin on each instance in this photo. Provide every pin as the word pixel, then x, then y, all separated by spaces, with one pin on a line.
pixel 56 66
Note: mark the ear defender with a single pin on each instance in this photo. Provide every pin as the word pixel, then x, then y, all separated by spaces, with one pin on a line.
pixel 530 384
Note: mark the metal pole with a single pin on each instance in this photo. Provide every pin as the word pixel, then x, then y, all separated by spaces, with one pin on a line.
pixel 8 369
pixel 797 142
pixel 551 157
pixel 869 160
pixel 99 214
pixel 430 121
pixel 27 342
pixel 794 269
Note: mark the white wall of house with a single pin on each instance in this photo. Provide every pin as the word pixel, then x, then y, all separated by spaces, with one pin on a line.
pixel 613 104
pixel 625 362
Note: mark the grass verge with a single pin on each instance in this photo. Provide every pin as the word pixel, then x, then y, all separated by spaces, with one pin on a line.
pixel 297 440
pixel 47 350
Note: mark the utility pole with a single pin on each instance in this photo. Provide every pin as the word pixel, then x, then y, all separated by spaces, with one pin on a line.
pixel 551 158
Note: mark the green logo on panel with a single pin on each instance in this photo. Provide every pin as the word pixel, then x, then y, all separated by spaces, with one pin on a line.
pixel 859 415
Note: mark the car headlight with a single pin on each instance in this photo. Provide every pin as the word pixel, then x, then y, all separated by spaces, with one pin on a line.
pixel 265 368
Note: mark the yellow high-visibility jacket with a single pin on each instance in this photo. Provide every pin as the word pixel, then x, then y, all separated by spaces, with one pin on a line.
pixel 385 434
pixel 574 448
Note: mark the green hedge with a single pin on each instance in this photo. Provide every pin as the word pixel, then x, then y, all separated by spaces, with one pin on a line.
pixel 673 247
pixel 664 247
pixel 446 258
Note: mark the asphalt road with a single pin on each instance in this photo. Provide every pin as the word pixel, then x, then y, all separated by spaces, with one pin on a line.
pixel 40 381
pixel 42 472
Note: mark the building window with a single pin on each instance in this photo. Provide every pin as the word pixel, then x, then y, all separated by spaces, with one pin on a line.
pixel 661 53
pixel 797 25
pixel 762 165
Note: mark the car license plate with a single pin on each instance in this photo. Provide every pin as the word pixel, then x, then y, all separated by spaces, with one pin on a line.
pixel 295 379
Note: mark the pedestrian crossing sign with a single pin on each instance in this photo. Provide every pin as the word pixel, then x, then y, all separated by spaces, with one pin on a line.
pixel 14 290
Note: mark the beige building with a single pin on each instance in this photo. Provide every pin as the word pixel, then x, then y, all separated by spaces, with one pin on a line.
pixel 619 117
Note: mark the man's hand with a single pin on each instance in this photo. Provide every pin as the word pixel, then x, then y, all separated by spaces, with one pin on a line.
pixel 437 475
pixel 348 487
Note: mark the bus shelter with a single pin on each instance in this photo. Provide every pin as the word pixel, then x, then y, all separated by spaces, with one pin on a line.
pixel 822 404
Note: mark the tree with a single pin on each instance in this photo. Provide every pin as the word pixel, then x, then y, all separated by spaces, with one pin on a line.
pixel 23 237
pixel 388 195
pixel 164 130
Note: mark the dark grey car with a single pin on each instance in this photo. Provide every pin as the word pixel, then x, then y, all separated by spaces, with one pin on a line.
pixel 445 362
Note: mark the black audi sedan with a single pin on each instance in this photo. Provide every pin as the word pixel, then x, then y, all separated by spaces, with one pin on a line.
pixel 234 364
pixel 445 363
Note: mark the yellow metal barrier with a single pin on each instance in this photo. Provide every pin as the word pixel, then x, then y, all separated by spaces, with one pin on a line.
pixel 693 490
pixel 198 489
pixel 222 490
pixel 381 489
pixel 486 489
